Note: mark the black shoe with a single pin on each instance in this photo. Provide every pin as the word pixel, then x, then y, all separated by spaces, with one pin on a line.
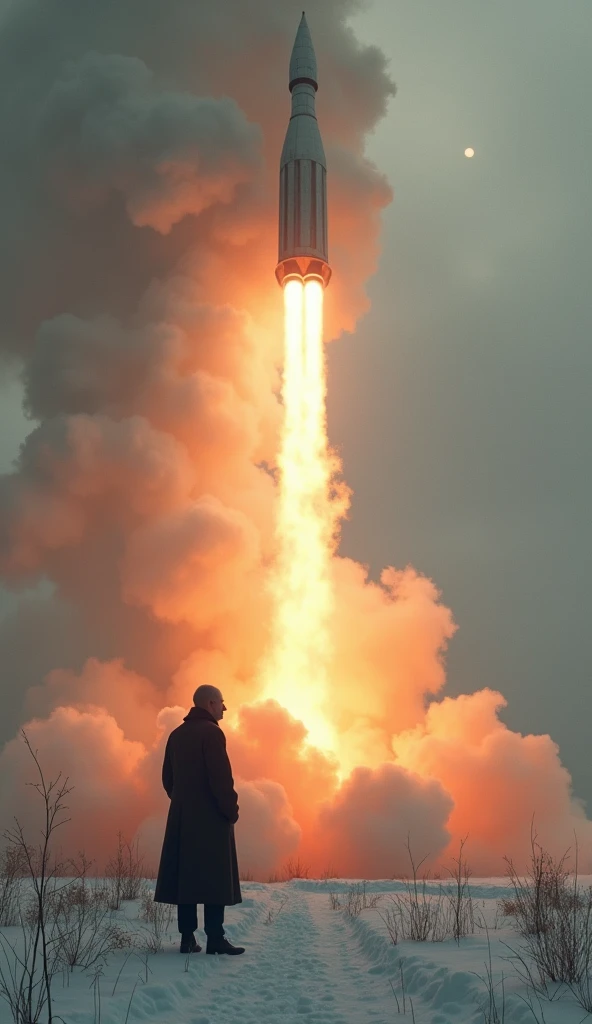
pixel 189 945
pixel 223 946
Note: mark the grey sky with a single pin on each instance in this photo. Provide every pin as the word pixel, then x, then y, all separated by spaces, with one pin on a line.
pixel 461 405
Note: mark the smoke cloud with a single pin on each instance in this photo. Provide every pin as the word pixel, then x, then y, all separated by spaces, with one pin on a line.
pixel 376 813
pixel 105 127
pixel 137 296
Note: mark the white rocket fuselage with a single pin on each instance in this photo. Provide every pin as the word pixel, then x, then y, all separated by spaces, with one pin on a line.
pixel 303 249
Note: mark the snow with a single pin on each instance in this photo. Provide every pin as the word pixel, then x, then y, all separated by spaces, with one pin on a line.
pixel 306 963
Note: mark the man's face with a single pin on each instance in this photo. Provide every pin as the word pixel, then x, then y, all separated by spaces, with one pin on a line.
pixel 217 708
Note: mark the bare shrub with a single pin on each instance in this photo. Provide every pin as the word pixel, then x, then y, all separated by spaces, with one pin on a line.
pixel 354 900
pixel 417 914
pixel 357 899
pixel 545 888
pixel 553 913
pixel 246 876
pixel 329 872
pixel 294 869
pixel 426 913
pixel 26 974
pixel 147 905
pixel 291 869
pixel 85 931
pixel 27 968
pixel 155 931
pixel 158 918
pixel 124 871
pixel 13 868
pixel 459 897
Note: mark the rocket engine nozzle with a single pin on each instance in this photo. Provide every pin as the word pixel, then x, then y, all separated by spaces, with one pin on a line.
pixel 304 268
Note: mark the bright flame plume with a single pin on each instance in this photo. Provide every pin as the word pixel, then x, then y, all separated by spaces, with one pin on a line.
pixel 296 670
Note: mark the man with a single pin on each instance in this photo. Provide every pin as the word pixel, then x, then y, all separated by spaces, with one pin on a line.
pixel 198 862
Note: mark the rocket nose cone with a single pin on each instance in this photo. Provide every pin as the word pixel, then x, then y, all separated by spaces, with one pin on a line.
pixel 303 63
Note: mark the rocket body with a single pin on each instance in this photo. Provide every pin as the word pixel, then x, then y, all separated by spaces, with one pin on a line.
pixel 303 248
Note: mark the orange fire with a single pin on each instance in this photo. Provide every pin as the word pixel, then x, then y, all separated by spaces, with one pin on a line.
pixel 296 670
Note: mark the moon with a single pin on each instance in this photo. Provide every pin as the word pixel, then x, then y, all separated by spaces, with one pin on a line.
pixel 469 152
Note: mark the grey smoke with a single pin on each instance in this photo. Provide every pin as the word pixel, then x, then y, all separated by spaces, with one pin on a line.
pixel 106 126
pixel 140 143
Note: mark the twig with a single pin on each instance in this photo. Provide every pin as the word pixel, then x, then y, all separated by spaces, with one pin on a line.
pixel 119 972
pixel 129 1005
pixel 528 1003
pixel 396 996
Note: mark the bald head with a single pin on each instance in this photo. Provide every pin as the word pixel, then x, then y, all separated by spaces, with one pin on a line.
pixel 210 699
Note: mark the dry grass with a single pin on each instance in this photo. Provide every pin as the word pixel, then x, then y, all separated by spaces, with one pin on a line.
pixel 125 872
pixel 83 926
pixel 420 915
pixel 274 912
pixel 291 869
pixel 158 918
pixel 458 894
pixel 417 916
pixel 13 868
pixel 153 934
pixel 493 1007
pixel 354 900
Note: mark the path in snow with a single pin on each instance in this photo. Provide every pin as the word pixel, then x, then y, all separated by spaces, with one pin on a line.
pixel 303 967
pixel 306 967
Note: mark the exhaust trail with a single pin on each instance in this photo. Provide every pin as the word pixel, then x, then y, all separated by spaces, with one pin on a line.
pixel 296 672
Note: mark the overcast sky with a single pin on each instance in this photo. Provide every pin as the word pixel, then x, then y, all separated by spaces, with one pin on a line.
pixel 462 404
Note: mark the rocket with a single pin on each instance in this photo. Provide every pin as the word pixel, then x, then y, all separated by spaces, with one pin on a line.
pixel 303 251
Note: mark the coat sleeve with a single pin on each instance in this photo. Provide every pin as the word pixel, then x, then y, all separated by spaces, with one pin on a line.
pixel 167 772
pixel 219 774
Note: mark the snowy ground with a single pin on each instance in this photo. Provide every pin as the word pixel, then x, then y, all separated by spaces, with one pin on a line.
pixel 308 963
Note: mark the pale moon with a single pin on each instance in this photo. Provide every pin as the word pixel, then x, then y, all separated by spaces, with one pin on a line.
pixel 469 152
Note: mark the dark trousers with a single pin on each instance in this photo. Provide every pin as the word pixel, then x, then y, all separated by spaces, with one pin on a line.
pixel 213 919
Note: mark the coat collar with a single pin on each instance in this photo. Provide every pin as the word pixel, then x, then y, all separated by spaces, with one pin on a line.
pixel 199 714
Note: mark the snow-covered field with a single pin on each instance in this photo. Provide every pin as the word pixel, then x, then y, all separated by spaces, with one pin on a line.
pixel 306 962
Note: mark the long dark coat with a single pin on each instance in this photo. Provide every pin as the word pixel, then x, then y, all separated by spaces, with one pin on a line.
pixel 198 862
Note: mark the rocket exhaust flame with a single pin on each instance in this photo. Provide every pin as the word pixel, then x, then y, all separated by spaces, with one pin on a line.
pixel 297 669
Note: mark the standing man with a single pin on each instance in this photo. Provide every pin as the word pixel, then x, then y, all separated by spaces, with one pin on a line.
pixel 198 862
